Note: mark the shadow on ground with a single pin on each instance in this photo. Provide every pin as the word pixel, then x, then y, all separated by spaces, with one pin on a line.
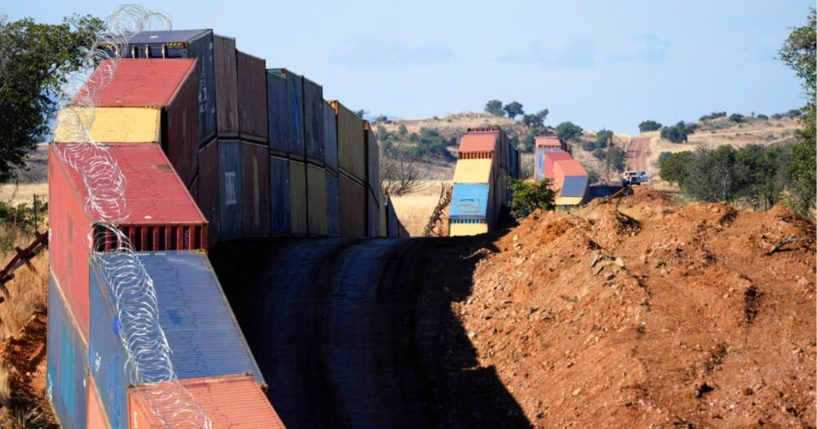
pixel 360 333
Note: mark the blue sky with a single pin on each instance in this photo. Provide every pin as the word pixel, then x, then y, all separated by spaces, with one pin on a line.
pixel 600 64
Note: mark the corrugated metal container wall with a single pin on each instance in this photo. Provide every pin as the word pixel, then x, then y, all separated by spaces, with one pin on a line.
pixel 280 129
pixel 317 200
pixel 231 189
pixel 252 97
pixel 280 205
pixel 256 181
pixel 551 158
pixel 295 94
pixel 208 197
pixel 297 198
pixel 109 124
pixel 196 318
pixel 229 402
pixel 185 44
pixel 352 207
pixel 330 129
pixel 383 225
pixel 372 161
pixel 226 86
pixel 332 205
pixel 67 356
pixel 313 121
pixel 473 171
pixel 351 143
pixel 179 136
pixel 194 190
pixel 68 249
pixel 372 215
pixel 470 201
pixel 538 164
pixel 96 411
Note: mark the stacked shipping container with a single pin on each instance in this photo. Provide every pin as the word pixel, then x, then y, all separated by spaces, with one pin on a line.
pixel 553 161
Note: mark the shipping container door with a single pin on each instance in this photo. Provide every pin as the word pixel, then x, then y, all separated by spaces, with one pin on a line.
pixel 317 199
pixel 280 128
pixel 209 190
pixel 330 130
pixel 255 167
pixel 313 121
pixel 226 86
pixel 179 136
pixel 332 205
pixel 279 200
pixel 295 95
pixel 297 198
pixel 252 97
pixel 352 207
pixel 231 189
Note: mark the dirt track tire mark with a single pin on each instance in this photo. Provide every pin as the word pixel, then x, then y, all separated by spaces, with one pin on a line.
pixel 638 152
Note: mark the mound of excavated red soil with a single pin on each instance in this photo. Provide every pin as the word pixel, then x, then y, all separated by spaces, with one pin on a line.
pixel 643 314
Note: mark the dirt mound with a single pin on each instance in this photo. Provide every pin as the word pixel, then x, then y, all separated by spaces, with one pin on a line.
pixel 643 314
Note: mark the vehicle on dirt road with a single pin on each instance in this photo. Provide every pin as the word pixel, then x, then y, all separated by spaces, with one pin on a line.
pixel 634 177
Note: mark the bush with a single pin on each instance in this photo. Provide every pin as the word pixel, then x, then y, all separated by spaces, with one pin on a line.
pixel 23 215
pixel 603 137
pixel 600 154
pixel 763 117
pixel 494 107
pixel 713 115
pixel 568 131
pixel 529 196
pixel 737 118
pixel 649 125
pixel 589 145
pixel 513 109
pixel 430 144
pixel 679 132
pixel 618 157
pixel 673 166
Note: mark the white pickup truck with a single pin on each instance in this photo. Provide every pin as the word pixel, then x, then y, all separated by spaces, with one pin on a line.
pixel 634 177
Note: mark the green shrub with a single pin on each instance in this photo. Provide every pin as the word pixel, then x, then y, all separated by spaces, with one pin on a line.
pixel 529 196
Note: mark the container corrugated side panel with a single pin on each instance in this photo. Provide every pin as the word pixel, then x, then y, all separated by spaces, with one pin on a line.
pixel 467 229
pixel 351 144
pixel 470 201
pixel 295 95
pixel 551 158
pixel 372 215
pixel 332 205
pixel 231 189
pixel 96 411
pixel 252 97
pixel 372 161
pixel 574 186
pixel 109 124
pixel 256 180
pixel 226 83
pixel 194 314
pixel 539 164
pixel 297 198
pixel 317 200
pixel 330 129
pixel 208 195
pixel 383 226
pixel 67 357
pixel 473 171
pixel 352 207
pixel 280 130
pixel 180 132
pixel 313 121
pixel 229 402
pixel 68 248
pixel 279 196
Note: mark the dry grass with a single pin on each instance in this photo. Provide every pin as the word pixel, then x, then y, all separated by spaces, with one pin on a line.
pixel 414 209
pixel 28 290
pixel 23 193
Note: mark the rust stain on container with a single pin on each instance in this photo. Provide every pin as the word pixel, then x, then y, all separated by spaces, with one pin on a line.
pixel 226 86
pixel 255 169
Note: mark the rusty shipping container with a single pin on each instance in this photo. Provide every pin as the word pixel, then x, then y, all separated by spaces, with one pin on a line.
pixel 332 205
pixel 198 44
pixel 353 201
pixel 161 216
pixel 317 200
pixel 96 411
pixel 280 206
pixel 298 215
pixel 196 319
pixel 372 160
pixel 313 122
pixel 231 189
pixel 226 86
pixel 351 143
pixel 209 190
pixel 252 97
pixel 330 139
pixel 167 84
pixel 67 353
pixel 256 181
pixel 229 401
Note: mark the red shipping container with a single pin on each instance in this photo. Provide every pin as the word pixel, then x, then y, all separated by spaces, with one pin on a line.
pixel 96 412
pixel 550 160
pixel 229 402
pixel 548 141
pixel 170 84
pixel 161 216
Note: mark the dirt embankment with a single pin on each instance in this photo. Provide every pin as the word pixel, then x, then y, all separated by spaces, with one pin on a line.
pixel 651 315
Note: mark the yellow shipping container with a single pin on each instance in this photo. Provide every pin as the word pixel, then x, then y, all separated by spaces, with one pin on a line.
pixel 109 124
pixel 297 197
pixel 463 229
pixel 473 171
pixel 316 184
pixel 568 201
pixel 351 142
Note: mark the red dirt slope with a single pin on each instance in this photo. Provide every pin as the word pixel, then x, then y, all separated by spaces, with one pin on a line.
pixel 651 315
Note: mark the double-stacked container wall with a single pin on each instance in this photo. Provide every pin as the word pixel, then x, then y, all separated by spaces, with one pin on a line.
pixel 315 138
pixel 231 197
pixel 330 130
pixel 372 183
pixel 226 87
pixel 254 132
pixel 352 172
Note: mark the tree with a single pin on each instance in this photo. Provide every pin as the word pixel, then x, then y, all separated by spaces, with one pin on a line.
pixel 361 112
pixel 402 130
pixel 513 109
pixel 617 158
pixel 679 132
pixel 673 166
pixel 603 137
pixel 35 60
pixel 568 130
pixel 737 118
pixel 399 174
pixel 494 107
pixel 649 125
pixel 529 196
pixel 536 120
pixel 798 53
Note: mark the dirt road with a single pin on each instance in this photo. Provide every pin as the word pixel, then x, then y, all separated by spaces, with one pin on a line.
pixel 638 151
pixel 360 333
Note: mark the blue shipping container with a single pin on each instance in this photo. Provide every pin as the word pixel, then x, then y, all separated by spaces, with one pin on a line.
pixel 280 130
pixel 200 327
pixel 295 94
pixel 330 132
pixel 469 201
pixel 332 205
pixel 196 44
pixel 279 198
pixel 231 189
pixel 67 362
pixel 574 186
pixel 539 164
pixel 313 121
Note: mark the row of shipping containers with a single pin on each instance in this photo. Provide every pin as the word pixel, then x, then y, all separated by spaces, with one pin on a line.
pixel 553 160
pixel 481 181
